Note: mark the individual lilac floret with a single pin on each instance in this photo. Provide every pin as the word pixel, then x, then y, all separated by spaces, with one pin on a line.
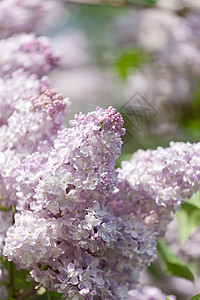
pixel 28 52
pixel 25 15
pixel 149 293
pixel 155 182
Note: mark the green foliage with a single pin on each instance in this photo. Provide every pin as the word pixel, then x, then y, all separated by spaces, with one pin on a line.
pixel 188 217
pixel 171 263
pixel 144 2
pixel 55 296
pixel 20 279
pixel 129 59
pixel 197 297
pixel 189 115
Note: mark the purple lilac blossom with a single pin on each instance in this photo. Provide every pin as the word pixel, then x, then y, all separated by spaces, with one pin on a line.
pixel 26 15
pixel 155 182
pixel 36 120
pixel 37 113
pixel 28 52
pixel 91 253
pixel 31 115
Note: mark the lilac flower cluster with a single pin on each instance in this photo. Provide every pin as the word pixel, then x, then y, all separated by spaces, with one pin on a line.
pixel 26 51
pixel 33 115
pixel 155 182
pixel 24 15
pixel 97 233
pixel 85 249
pixel 31 112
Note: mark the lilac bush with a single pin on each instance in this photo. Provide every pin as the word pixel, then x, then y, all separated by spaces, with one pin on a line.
pixel 79 226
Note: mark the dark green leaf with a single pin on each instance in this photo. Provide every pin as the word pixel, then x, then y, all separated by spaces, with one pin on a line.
pixel 129 59
pixel 144 2
pixel 55 296
pixel 197 297
pixel 20 279
pixel 171 263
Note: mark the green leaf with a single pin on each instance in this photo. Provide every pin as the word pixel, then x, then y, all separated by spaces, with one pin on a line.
pixel 20 279
pixel 188 217
pixel 171 263
pixel 197 297
pixel 144 2
pixel 5 209
pixel 129 59
pixel 55 296
pixel 194 200
pixel 166 298
pixel 183 225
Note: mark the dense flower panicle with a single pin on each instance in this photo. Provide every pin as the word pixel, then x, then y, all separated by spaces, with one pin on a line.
pixel 28 52
pixel 104 263
pixel 155 182
pixel 98 254
pixel 24 15
pixel 36 120
pixel 149 293
pixel 31 114
pixel 82 162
